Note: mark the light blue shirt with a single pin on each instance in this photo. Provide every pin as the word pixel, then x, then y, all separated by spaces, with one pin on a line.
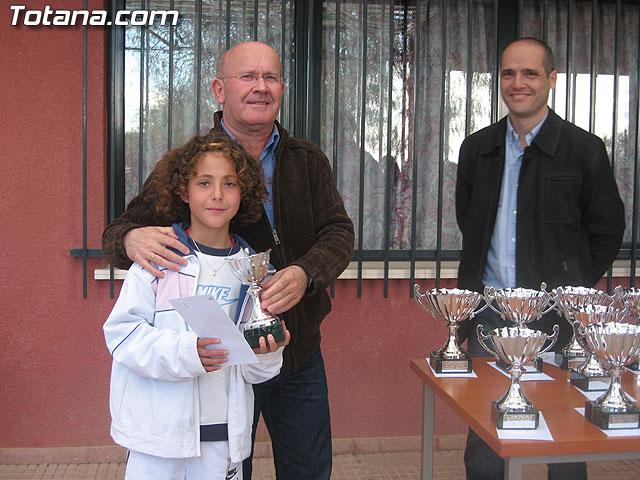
pixel 268 161
pixel 500 270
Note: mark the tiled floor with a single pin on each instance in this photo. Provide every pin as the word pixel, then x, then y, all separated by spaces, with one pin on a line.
pixel 372 466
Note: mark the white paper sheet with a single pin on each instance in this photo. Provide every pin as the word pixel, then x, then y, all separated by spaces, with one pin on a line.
pixel 617 432
pixel 526 376
pixel 540 433
pixel 207 319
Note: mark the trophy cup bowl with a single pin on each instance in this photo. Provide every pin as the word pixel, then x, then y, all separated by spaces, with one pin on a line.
pixel 515 346
pixel 616 345
pixel 252 270
pixel 591 374
pixel 453 306
pixel 520 306
pixel 630 297
pixel 568 298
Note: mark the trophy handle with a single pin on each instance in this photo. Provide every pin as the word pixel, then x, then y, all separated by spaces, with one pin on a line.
pixel 481 339
pixel 489 294
pixel 419 297
pixel 578 331
pixel 553 338
pixel 550 299
pixel 486 304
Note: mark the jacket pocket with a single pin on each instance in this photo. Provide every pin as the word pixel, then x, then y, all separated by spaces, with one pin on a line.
pixel 561 197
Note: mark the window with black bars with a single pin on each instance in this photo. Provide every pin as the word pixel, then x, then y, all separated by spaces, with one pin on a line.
pixel 392 88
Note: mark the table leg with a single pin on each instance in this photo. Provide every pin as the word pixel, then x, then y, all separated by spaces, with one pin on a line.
pixel 428 409
pixel 513 468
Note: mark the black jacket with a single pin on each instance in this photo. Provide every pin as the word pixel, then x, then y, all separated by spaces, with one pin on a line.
pixel 312 227
pixel 570 219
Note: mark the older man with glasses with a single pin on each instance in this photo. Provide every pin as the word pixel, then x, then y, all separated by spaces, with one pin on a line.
pixel 305 225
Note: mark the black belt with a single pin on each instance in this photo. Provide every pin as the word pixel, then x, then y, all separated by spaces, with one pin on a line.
pixel 214 433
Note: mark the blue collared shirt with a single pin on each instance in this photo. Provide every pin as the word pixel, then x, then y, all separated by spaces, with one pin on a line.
pixel 268 161
pixel 500 270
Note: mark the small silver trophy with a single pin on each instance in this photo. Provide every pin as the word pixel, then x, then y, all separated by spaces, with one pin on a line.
pixel 453 306
pixel 616 345
pixel 516 346
pixel 252 270
pixel 631 298
pixel 520 306
pixel 568 298
pixel 591 376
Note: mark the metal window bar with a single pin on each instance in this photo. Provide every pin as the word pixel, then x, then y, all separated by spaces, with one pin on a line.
pixel 228 26
pixel 143 73
pixel 84 158
pixel 363 112
pixel 198 62
pixel 469 80
pixel 569 70
pixel 443 92
pixel 414 156
pixel 171 73
pixel 284 109
pixel 495 65
pixel 336 103
pixel 389 166
pixel 636 178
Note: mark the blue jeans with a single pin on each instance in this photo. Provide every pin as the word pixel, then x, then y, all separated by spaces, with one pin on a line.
pixel 295 409
pixel 480 461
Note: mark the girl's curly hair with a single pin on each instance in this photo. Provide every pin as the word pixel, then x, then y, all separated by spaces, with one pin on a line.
pixel 168 181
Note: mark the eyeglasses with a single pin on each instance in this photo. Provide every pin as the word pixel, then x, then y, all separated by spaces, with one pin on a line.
pixel 249 78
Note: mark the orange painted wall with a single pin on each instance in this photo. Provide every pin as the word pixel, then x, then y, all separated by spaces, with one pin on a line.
pixel 54 366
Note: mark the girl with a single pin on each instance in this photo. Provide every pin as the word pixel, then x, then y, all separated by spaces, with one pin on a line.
pixel 174 405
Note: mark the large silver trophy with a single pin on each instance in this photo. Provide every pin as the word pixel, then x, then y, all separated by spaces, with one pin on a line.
pixel 567 299
pixel 252 270
pixel 515 346
pixel 591 374
pixel 520 306
pixel 452 306
pixel 616 345
pixel 630 297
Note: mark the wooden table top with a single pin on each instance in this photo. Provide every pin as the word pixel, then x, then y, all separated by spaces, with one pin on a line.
pixel 470 398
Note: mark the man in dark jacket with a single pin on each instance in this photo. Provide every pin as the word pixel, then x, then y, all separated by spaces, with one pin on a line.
pixel 536 202
pixel 305 225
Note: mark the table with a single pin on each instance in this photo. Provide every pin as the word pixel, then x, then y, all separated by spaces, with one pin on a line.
pixel 575 438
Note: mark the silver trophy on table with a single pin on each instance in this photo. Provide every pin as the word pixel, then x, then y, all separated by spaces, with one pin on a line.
pixel 452 306
pixel 631 298
pixel 520 306
pixel 616 345
pixel 568 298
pixel 515 346
pixel 591 374
pixel 252 270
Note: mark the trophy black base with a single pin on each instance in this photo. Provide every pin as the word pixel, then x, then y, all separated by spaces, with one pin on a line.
pixel 567 362
pixel 515 421
pixel 535 366
pixel 589 383
pixel 611 420
pixel 447 365
pixel 252 336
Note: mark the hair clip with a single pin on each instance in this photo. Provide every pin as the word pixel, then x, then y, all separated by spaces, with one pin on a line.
pixel 213 144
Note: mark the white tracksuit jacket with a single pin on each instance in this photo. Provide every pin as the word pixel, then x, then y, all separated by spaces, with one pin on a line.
pixel 154 390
